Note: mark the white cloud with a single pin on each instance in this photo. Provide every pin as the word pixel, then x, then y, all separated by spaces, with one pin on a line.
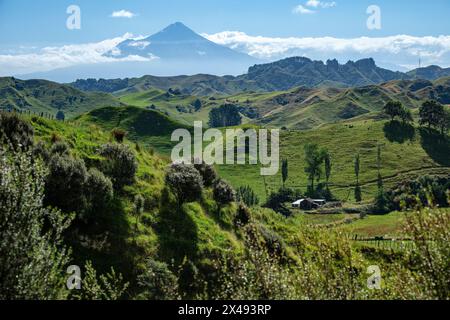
pixel 396 50
pixel 317 4
pixel 139 44
pixel 302 10
pixel 50 58
pixel 123 14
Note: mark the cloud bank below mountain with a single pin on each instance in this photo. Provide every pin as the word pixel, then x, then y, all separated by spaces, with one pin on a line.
pixel 400 52
pixel 51 58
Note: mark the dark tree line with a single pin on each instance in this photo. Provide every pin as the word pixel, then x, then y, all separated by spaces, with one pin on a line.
pixel 225 116
pixel 431 114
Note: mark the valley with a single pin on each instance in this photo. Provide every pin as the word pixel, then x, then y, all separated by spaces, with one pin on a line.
pixel 135 211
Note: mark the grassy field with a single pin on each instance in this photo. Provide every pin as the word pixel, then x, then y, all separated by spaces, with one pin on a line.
pixel 406 152
pixel 389 225
pixel 402 157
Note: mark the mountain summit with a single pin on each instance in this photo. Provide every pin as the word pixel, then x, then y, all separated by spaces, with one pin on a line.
pixel 179 42
pixel 175 50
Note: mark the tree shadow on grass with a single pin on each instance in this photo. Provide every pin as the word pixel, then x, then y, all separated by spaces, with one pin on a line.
pixel 436 145
pixel 399 132
pixel 104 241
pixel 178 234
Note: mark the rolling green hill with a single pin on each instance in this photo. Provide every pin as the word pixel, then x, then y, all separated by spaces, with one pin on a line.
pixel 298 108
pixel 48 97
pixel 164 233
pixel 200 84
pixel 407 152
pixel 146 126
pixel 203 250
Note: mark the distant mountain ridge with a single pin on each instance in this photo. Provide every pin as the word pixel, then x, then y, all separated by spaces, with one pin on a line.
pixel 429 73
pixel 301 71
pixel 280 75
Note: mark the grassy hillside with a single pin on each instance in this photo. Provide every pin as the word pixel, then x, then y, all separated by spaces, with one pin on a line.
pixel 409 153
pixel 300 108
pixel 37 96
pixel 210 251
pixel 149 127
pixel 161 231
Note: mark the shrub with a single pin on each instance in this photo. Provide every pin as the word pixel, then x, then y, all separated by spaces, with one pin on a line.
pixel 15 131
pixel 120 164
pixel 157 282
pixel 185 182
pixel 190 282
pixel 243 215
pixel 54 137
pixel 381 203
pixel 430 232
pixel 118 135
pixel 60 115
pixel 197 104
pixel 414 193
pixel 277 200
pixel 224 192
pixel 65 184
pixel 60 148
pixel 108 286
pixel 40 151
pixel 247 196
pixel 32 257
pixel 99 192
pixel 273 242
pixel 208 173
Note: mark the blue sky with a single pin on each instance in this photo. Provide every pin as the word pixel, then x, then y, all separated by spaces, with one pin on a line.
pixel 42 22
pixel 34 37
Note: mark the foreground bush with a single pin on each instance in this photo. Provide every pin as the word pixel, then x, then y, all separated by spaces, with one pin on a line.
pixel 185 182
pixel 429 230
pixel 99 193
pixel 65 184
pixel 16 131
pixel 110 286
pixel 247 196
pixel 32 258
pixel 208 173
pixel 157 282
pixel 120 164
pixel 224 192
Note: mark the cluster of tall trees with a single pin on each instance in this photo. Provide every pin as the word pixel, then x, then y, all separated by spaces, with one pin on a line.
pixel 431 114
pixel 225 116
pixel 396 109
pixel 316 161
